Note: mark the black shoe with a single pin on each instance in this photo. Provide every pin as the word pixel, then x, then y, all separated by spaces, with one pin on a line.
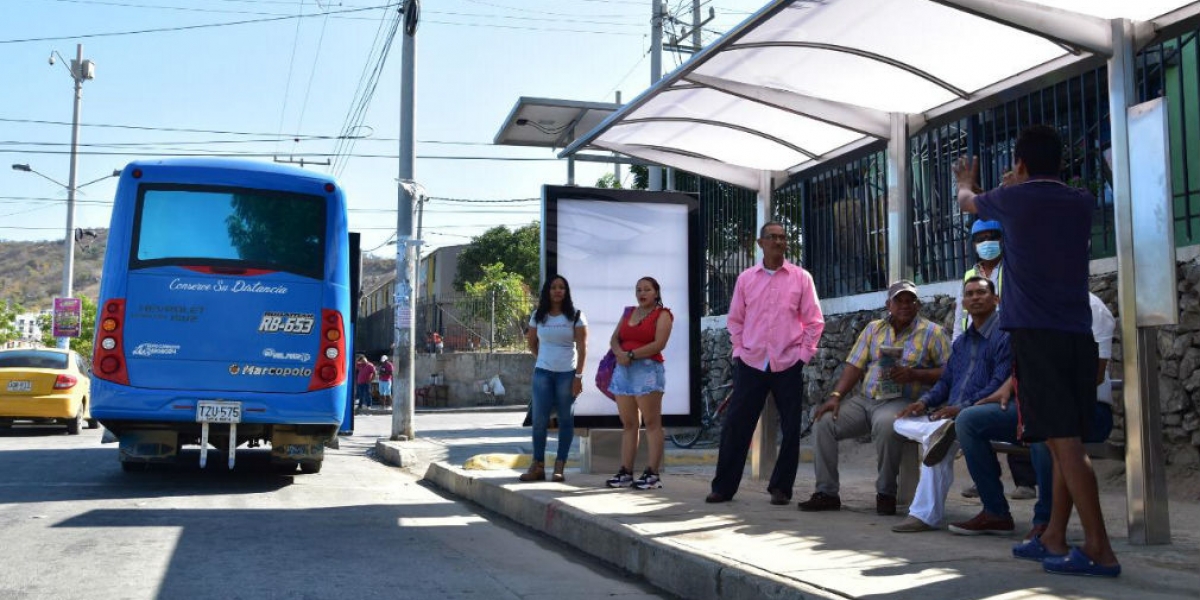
pixel 716 498
pixel 885 505
pixel 820 501
pixel 939 444
pixel 778 498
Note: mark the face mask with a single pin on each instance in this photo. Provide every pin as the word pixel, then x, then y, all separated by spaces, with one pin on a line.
pixel 988 250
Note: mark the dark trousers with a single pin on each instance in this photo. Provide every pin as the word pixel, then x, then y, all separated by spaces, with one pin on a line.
pixel 1022 470
pixel 750 388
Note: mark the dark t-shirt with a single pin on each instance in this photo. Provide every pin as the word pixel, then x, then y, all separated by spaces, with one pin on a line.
pixel 1046 230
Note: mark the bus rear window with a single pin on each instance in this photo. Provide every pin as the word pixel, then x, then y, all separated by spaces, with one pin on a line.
pixel 228 227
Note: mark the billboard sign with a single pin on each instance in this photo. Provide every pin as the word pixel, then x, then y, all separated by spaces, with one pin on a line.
pixel 67 317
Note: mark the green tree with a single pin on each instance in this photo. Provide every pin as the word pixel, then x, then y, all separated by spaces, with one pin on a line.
pixel 500 295
pixel 608 181
pixel 518 250
pixel 87 329
pixel 8 321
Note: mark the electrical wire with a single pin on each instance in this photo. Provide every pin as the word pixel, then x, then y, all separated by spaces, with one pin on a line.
pixel 187 27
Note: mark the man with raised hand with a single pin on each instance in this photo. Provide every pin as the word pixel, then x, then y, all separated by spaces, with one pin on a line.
pixel 1048 318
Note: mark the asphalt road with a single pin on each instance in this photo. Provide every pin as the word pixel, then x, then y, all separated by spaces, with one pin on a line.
pixel 73 525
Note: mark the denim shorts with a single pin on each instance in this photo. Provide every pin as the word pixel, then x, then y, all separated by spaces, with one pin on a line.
pixel 641 377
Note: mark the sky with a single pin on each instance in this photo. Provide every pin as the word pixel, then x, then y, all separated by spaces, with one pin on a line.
pixel 179 77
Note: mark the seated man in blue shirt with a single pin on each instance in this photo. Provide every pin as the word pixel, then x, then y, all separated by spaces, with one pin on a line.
pixel 979 364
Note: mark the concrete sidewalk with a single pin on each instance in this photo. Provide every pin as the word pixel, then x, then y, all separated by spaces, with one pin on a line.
pixel 748 548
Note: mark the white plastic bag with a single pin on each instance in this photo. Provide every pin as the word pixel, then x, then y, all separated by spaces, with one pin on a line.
pixel 497 387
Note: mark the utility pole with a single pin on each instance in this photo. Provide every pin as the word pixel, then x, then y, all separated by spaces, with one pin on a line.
pixel 657 12
pixel 402 406
pixel 80 70
pixel 617 165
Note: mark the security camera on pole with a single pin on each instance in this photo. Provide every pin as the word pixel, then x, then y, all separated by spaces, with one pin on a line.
pixel 402 391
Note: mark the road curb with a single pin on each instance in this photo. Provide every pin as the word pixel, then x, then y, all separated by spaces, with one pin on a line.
pixel 664 563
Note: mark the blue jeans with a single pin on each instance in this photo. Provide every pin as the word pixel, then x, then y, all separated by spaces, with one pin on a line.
pixel 363 392
pixel 1043 463
pixel 552 390
pixel 977 426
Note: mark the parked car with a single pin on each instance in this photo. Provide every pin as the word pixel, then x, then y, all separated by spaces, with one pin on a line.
pixel 45 385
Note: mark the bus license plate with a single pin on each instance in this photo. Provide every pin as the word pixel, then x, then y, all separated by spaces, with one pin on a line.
pixel 218 411
pixel 20 386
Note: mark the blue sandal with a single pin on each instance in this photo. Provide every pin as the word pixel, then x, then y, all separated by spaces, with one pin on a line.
pixel 1033 549
pixel 1078 563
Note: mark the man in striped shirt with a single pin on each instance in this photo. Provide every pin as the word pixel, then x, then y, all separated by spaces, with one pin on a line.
pixel 897 358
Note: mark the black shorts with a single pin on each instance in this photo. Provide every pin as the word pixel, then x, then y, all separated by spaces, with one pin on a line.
pixel 1054 376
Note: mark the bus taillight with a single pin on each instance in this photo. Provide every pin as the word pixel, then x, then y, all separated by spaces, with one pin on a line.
pixel 108 359
pixel 330 369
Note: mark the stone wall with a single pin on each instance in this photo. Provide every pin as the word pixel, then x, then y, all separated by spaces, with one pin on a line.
pixel 1178 349
pixel 465 372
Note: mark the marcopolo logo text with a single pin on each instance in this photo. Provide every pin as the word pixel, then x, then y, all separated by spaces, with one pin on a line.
pixel 257 371
pixel 156 350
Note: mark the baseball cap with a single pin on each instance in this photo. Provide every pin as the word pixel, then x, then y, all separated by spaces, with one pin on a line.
pixel 982 225
pixel 903 285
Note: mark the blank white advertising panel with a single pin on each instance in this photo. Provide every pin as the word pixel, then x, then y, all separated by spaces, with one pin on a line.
pixel 602 242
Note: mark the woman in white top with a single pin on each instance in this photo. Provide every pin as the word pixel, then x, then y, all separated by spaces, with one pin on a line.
pixel 557 336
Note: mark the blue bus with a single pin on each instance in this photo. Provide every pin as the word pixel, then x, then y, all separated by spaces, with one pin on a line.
pixel 224 309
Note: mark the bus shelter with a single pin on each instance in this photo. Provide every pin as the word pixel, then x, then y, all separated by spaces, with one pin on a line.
pixel 803 83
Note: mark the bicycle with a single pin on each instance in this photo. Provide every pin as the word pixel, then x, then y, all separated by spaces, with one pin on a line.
pixel 713 421
pixel 709 420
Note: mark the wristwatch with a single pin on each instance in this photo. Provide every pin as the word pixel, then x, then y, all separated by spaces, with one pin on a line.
pixel 579 376
pixel 630 355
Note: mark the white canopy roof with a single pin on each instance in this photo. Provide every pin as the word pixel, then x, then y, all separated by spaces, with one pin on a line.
pixel 804 81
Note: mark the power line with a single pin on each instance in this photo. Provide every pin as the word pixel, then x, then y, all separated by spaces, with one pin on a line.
pixel 274 154
pixel 187 27
pixel 489 201
pixel 227 132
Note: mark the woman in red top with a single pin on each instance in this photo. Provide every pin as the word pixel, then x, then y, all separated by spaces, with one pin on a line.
pixel 638 382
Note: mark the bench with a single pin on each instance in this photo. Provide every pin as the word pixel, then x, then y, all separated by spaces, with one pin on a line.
pixel 1107 450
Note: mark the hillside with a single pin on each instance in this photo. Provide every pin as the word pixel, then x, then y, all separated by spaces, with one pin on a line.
pixel 31 272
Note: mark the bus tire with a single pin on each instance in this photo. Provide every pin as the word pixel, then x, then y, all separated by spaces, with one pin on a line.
pixel 310 467
pixel 284 468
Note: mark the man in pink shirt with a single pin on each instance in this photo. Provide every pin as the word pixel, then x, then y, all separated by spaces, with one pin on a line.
pixel 774 324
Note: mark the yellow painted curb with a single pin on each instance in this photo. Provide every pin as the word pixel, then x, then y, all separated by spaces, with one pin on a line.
pixel 500 462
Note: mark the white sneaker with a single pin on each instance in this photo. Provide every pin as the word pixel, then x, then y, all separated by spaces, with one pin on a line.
pixel 649 480
pixel 622 479
pixel 1023 492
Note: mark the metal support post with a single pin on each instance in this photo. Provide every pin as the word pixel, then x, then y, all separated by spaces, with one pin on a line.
pixel 1145 480
pixel 764 447
pixel 658 10
pixel 898 209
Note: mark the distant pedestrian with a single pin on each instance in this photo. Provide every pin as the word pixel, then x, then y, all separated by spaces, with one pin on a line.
pixel 385 380
pixel 557 337
pixel 774 322
pixel 438 345
pixel 364 372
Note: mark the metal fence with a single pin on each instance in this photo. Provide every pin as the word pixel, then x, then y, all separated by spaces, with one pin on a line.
pixel 727 221
pixel 494 321
pixel 839 213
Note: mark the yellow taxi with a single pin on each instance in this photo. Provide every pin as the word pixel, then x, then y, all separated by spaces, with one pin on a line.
pixel 44 385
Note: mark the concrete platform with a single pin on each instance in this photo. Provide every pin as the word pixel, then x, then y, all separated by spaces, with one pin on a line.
pixel 748 548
